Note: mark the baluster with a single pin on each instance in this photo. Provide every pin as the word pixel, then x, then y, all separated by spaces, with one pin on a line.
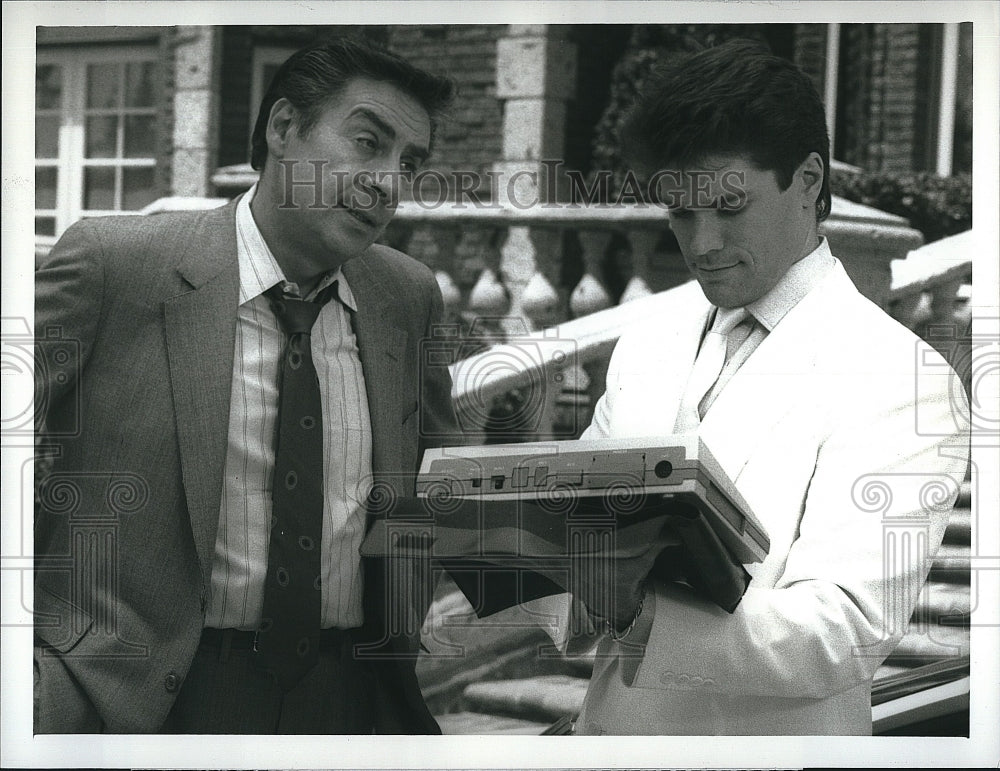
pixel 942 302
pixel 963 311
pixel 524 256
pixel 589 295
pixel 528 264
pixel 540 309
pixel 643 242
pixel 469 258
pixel 476 269
pixel 905 308
pixel 488 297
pixel 572 408
pixel 540 302
pixel 435 248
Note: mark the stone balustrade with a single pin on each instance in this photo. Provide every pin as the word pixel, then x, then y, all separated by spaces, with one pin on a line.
pixel 516 280
pixel 484 254
pixel 930 285
pixel 930 293
pixel 555 338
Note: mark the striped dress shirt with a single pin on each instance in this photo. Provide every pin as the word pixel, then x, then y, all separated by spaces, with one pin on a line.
pixel 240 560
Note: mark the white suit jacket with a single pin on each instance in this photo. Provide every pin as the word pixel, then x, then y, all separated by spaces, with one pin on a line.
pixel 848 437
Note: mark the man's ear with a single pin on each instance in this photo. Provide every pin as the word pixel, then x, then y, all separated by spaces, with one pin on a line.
pixel 281 122
pixel 809 179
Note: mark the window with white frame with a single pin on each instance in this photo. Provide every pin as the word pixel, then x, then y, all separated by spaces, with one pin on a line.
pixel 96 113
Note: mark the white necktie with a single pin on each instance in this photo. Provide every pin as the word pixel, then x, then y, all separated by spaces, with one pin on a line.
pixel 708 365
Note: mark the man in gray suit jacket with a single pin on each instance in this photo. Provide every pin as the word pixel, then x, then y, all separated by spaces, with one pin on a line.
pixel 153 525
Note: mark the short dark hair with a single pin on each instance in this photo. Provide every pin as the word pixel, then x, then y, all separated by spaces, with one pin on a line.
pixel 310 78
pixel 734 98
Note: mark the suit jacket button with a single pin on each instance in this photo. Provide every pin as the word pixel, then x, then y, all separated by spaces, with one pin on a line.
pixel 171 681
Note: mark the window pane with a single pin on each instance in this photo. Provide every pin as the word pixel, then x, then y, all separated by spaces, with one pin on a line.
pixel 45 226
pixel 140 84
pixel 102 136
pixel 46 178
pixel 102 85
pixel 140 136
pixel 99 188
pixel 48 86
pixel 46 136
pixel 139 188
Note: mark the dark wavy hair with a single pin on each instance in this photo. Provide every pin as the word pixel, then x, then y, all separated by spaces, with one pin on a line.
pixel 735 98
pixel 312 77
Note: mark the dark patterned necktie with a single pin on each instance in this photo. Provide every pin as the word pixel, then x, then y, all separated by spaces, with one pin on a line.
pixel 288 638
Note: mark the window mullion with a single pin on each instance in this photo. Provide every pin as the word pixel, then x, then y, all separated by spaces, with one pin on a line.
pixel 72 158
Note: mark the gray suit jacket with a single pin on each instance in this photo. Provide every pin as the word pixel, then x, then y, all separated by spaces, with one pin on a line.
pixel 136 322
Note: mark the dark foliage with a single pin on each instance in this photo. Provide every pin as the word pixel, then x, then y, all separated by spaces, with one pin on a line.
pixel 936 206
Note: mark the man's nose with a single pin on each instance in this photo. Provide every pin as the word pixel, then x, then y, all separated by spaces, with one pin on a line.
pixel 386 185
pixel 384 182
pixel 704 234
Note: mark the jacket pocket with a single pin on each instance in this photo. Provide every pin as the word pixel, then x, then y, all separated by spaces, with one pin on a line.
pixel 58 622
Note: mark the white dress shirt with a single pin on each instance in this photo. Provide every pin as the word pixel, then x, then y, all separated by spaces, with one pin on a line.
pixel 241 544
pixel 770 309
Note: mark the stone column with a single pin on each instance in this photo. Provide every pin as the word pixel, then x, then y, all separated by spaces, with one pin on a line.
pixel 536 67
pixel 196 110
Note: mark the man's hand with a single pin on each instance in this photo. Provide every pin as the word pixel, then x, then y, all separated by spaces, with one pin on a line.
pixel 611 583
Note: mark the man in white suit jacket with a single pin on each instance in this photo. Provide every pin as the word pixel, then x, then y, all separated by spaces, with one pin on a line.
pixel 841 435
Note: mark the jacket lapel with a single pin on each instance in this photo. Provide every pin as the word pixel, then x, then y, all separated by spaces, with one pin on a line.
pixel 200 328
pixel 652 384
pixel 381 346
pixel 763 390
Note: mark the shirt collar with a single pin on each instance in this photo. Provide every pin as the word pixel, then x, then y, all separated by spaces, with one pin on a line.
pixel 800 279
pixel 259 270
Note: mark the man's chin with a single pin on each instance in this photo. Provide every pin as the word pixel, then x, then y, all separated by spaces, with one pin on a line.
pixel 721 296
pixel 350 245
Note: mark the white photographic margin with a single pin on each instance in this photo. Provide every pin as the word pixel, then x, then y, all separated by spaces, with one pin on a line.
pixel 20 749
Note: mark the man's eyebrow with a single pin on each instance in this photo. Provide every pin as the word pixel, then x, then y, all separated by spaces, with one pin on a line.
pixel 420 152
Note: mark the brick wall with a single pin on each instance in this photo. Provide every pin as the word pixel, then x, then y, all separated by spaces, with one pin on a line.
pixel 897 84
pixel 470 137
pixel 857 62
pixel 886 119
pixel 810 52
